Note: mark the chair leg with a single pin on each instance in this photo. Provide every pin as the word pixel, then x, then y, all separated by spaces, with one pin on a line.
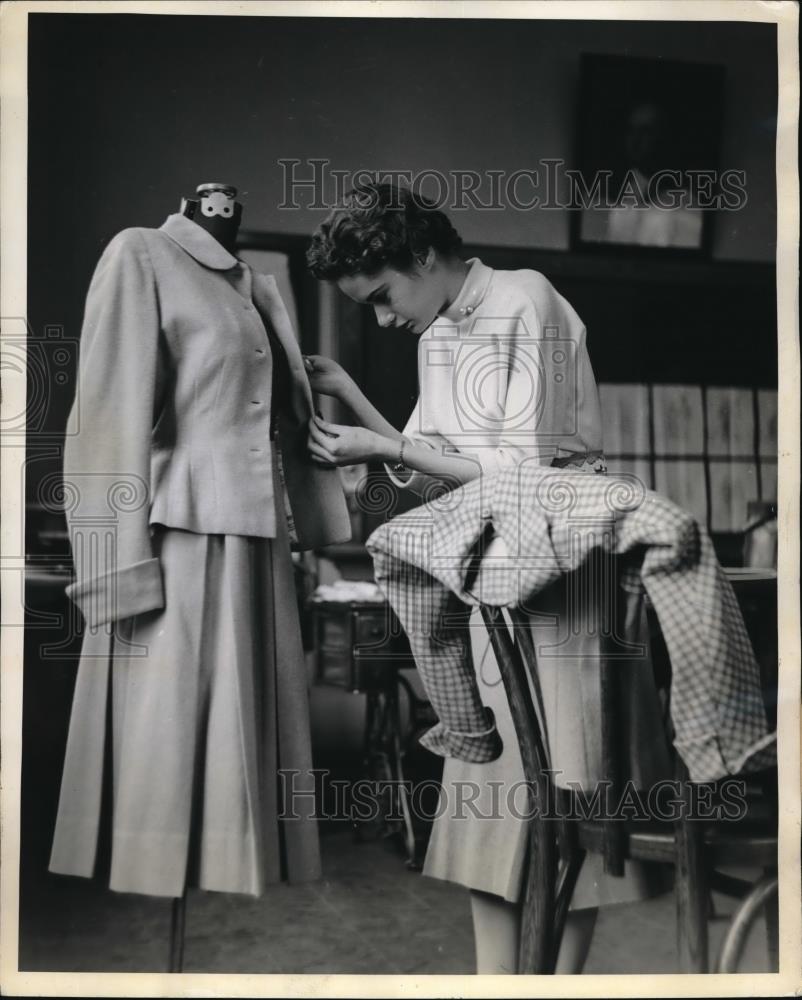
pixel 747 912
pixel 537 953
pixel 571 872
pixel 691 888
pixel 178 915
pixel 692 911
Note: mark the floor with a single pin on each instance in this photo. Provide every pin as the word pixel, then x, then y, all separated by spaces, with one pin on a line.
pixel 369 915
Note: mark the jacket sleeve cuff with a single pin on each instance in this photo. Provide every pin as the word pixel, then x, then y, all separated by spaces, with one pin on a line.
pixel 707 760
pixel 123 593
pixel 476 748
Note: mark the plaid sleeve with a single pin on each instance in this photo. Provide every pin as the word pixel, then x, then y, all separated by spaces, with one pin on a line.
pixel 429 564
pixel 436 623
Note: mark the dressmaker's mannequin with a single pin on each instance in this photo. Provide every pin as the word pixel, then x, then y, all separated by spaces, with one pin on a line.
pixel 174 759
pixel 217 211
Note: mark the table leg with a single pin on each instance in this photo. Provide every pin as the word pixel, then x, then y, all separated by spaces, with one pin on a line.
pixel 397 758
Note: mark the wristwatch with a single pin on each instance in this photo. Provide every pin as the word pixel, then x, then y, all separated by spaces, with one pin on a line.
pixel 400 468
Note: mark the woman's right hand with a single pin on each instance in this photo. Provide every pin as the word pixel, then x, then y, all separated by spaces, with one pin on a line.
pixel 326 376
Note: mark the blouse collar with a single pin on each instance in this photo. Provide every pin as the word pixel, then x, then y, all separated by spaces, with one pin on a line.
pixel 198 243
pixel 472 292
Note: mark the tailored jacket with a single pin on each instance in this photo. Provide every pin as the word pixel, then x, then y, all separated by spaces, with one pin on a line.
pixel 173 416
pixel 429 563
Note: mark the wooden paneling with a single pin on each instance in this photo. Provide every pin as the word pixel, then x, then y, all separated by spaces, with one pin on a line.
pixel 730 421
pixel 767 423
pixel 678 415
pixel 625 423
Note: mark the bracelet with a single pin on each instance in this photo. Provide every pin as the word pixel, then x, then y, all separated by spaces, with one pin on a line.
pixel 400 468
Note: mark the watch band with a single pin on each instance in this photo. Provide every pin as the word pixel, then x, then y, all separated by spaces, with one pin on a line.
pixel 399 468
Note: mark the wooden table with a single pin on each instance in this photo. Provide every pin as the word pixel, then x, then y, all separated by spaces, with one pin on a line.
pixel 362 648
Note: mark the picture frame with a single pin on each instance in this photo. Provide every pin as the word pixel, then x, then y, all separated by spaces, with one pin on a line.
pixel 647 175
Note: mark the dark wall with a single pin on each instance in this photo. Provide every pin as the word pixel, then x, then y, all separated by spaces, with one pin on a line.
pixel 129 112
pixel 144 106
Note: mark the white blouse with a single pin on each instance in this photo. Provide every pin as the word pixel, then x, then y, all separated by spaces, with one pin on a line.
pixel 504 376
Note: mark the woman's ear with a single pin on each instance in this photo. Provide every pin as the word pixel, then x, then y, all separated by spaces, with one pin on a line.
pixel 425 259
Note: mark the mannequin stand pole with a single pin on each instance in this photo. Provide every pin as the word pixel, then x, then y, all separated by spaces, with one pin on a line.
pixel 177 923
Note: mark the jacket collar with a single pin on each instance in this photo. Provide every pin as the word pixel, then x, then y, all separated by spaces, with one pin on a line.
pixel 198 243
pixel 472 292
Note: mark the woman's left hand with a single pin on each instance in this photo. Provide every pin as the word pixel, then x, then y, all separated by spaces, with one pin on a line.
pixel 338 444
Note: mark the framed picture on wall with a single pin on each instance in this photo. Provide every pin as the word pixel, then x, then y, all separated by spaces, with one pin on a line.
pixel 647 164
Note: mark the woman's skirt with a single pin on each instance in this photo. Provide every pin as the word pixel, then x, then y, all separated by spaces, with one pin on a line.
pixel 182 721
pixel 479 836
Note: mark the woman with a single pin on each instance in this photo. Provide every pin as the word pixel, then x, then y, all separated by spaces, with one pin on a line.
pixel 504 377
pixel 191 694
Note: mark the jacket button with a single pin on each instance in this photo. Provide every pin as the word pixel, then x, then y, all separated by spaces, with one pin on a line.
pixel 259 350
pixel 256 402
pixel 486 514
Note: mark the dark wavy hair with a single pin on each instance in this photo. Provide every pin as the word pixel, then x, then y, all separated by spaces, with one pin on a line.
pixel 377 226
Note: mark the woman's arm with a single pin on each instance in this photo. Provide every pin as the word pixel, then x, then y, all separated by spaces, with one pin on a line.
pixel 335 444
pixel 376 439
pixel 329 378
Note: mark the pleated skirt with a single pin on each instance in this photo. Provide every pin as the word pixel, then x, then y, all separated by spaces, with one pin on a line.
pixel 479 836
pixel 188 759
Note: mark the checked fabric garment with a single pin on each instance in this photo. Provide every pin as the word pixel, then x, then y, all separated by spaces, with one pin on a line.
pixel 428 562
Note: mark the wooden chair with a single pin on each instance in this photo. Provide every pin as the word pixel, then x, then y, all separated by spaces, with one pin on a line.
pixel 697 851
